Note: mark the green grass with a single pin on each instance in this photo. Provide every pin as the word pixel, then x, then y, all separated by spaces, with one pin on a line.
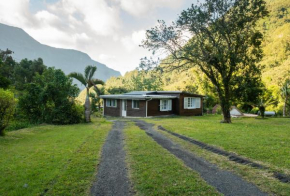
pixel 154 171
pixel 266 141
pixel 262 178
pixel 56 160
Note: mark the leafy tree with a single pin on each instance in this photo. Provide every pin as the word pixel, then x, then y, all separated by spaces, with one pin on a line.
pixel 285 94
pixel 224 42
pixel 25 71
pixel 50 99
pixel 7 106
pixel 7 64
pixel 88 81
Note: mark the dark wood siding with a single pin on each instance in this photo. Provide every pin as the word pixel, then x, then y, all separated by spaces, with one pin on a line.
pixel 154 108
pixel 141 112
pixel 189 112
pixel 113 111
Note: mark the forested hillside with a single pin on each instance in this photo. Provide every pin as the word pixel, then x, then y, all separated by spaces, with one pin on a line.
pixel 275 65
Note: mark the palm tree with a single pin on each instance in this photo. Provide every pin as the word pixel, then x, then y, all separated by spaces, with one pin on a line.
pixel 285 93
pixel 88 81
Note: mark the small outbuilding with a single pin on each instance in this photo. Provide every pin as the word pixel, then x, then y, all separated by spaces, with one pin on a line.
pixel 153 103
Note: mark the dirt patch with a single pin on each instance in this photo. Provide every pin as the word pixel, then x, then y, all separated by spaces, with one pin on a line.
pixel 112 177
pixel 224 181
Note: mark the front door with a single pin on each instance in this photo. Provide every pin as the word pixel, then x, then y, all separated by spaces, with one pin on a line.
pixel 124 107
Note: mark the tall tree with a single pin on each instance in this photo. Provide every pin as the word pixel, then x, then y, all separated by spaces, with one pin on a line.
pixel 88 81
pixel 7 65
pixel 285 93
pixel 223 42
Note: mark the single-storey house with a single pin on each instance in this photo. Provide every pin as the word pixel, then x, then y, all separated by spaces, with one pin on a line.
pixel 153 103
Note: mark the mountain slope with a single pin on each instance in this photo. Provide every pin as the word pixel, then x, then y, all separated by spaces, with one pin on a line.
pixel 24 46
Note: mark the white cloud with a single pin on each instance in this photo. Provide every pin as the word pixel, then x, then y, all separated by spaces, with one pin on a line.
pixel 106 57
pixel 143 7
pixel 138 36
pixel 93 15
pixel 16 12
pixel 132 42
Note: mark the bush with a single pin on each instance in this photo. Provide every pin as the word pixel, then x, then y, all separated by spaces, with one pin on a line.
pixel 18 124
pixel 67 113
pixel 7 107
pixel 50 99
pixel 254 110
pixel 99 114
pixel 219 110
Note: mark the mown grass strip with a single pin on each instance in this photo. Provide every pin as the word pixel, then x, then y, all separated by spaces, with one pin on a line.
pixel 267 141
pixel 51 160
pixel 154 171
pixel 263 178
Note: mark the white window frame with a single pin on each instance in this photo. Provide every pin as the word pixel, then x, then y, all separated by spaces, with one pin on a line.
pixel 165 105
pixel 133 104
pixel 192 102
pixel 112 103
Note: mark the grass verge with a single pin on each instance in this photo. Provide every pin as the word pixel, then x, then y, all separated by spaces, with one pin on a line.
pixel 266 141
pixel 52 160
pixel 262 178
pixel 154 171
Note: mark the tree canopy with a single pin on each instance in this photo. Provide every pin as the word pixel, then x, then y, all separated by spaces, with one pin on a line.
pixel 224 42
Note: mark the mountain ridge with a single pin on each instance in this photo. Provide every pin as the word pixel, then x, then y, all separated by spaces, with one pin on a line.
pixel 69 60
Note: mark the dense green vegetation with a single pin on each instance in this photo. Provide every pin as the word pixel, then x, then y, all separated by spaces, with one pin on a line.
pixel 52 160
pixel 43 95
pixel 155 171
pixel 275 67
pixel 7 107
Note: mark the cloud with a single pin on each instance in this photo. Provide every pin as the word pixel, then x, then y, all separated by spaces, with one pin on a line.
pixel 93 15
pixel 106 57
pixel 132 42
pixel 16 12
pixel 143 7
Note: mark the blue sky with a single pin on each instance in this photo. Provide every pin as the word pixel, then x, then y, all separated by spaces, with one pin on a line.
pixel 110 31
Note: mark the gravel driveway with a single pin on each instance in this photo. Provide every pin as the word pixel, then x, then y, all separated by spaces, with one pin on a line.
pixel 112 177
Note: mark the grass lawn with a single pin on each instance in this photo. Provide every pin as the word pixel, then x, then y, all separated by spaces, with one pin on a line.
pixel 266 141
pixel 56 160
pixel 154 171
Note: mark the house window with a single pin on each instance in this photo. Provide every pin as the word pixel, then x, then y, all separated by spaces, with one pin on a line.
pixel 135 104
pixel 111 103
pixel 165 105
pixel 191 102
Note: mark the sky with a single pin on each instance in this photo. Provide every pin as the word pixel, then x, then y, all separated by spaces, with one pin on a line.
pixel 109 31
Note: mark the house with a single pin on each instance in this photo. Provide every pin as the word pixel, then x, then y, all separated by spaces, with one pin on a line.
pixel 153 103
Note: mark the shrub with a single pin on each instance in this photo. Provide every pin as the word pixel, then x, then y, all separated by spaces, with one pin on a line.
pixel 254 110
pixel 50 99
pixel 219 110
pixel 18 124
pixel 7 107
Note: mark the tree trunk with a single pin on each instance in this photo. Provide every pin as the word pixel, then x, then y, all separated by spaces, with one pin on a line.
pixel 2 133
pixel 262 111
pixel 284 108
pixel 225 104
pixel 88 107
pixel 226 113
